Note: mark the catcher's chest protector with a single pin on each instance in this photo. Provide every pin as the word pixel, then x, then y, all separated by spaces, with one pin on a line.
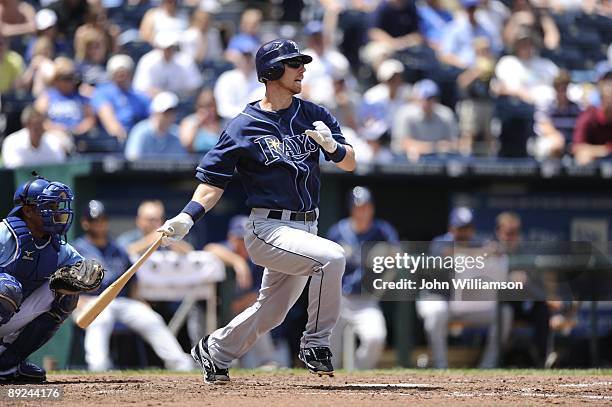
pixel 34 264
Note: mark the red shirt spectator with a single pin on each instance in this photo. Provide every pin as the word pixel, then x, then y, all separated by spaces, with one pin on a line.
pixel 593 132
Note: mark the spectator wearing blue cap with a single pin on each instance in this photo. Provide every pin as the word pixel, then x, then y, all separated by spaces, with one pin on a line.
pixel 233 253
pixel 424 127
pixel 361 312
pixel 457 44
pixel 239 86
pixel 437 311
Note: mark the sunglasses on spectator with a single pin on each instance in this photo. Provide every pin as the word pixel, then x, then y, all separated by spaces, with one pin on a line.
pixel 69 77
pixel 294 63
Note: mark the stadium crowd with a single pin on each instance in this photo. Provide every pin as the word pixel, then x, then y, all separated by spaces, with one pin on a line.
pixel 408 80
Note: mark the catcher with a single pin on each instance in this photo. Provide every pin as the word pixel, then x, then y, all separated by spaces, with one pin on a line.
pixel 41 275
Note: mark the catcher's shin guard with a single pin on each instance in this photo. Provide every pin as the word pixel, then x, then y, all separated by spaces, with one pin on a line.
pixel 35 334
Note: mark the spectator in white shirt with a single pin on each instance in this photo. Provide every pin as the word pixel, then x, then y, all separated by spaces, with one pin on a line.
pixel 239 86
pixel 31 146
pixel 167 69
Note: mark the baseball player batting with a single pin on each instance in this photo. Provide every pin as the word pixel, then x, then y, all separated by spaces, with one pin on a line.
pixel 275 144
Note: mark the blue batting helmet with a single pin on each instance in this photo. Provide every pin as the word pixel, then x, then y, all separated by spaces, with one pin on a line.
pixel 52 201
pixel 270 57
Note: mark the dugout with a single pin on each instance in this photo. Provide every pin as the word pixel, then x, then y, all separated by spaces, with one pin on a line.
pixel 556 201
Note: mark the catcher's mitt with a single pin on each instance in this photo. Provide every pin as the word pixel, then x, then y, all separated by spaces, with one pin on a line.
pixel 84 275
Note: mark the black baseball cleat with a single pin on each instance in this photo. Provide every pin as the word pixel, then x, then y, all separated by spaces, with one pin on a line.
pixel 25 372
pixel 317 360
pixel 211 372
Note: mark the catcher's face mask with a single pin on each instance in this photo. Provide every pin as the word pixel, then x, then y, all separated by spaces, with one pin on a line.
pixel 54 207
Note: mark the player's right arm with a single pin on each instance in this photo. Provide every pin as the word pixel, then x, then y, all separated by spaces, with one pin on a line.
pixel 215 171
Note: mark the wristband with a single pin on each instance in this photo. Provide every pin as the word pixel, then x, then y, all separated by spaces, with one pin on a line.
pixel 339 154
pixel 195 210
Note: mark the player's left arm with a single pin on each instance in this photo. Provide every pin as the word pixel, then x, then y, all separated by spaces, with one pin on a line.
pixel 328 135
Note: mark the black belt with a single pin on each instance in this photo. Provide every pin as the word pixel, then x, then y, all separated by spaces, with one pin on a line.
pixel 309 216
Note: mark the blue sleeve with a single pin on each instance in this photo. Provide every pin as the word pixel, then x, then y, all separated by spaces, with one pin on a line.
pixel 7 246
pixel 376 16
pixel 334 233
pixel 134 147
pixel 447 39
pixel 217 166
pixel 389 232
pixel 68 256
pixel 98 99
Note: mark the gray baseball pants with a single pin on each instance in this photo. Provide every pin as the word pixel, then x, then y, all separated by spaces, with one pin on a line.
pixel 291 252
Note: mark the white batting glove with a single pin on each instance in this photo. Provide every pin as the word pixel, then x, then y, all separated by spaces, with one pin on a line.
pixel 322 135
pixel 175 229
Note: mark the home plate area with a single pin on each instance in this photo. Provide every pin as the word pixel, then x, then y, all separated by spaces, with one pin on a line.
pixel 297 388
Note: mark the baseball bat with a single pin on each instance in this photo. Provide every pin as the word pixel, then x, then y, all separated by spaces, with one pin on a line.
pixel 97 305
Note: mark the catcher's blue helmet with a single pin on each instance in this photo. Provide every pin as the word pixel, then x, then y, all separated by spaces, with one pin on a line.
pixel 270 57
pixel 52 200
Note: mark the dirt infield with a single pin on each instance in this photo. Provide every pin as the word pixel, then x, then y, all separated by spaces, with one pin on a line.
pixel 297 388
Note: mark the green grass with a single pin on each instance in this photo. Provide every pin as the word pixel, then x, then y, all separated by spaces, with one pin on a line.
pixel 386 372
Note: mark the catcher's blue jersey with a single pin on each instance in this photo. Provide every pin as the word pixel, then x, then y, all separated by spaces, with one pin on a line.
pixel 11 256
pixel 277 162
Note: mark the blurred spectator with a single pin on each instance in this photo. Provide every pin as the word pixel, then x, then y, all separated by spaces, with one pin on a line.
pixel 202 41
pixel 362 312
pixel 46 27
pixel 166 69
pixel 526 16
pixel 555 126
pixel 233 253
pixel 118 106
pixel 327 65
pixel 375 132
pixel 71 14
pixel 437 311
pixel 16 18
pixel 523 81
pixel 238 86
pixel 165 18
pixel 424 127
pixel 248 33
pixel 11 66
pixel 395 25
pixel 593 133
pixel 90 55
pixel 493 11
pixel 68 112
pixel 347 101
pixel 525 74
pixel 351 18
pixel 127 308
pixel 31 146
pixel 200 131
pixel 391 92
pixel 97 21
pixel 39 73
pixel 457 45
pixel 476 108
pixel 433 18
pixel 157 136
pixel 149 217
